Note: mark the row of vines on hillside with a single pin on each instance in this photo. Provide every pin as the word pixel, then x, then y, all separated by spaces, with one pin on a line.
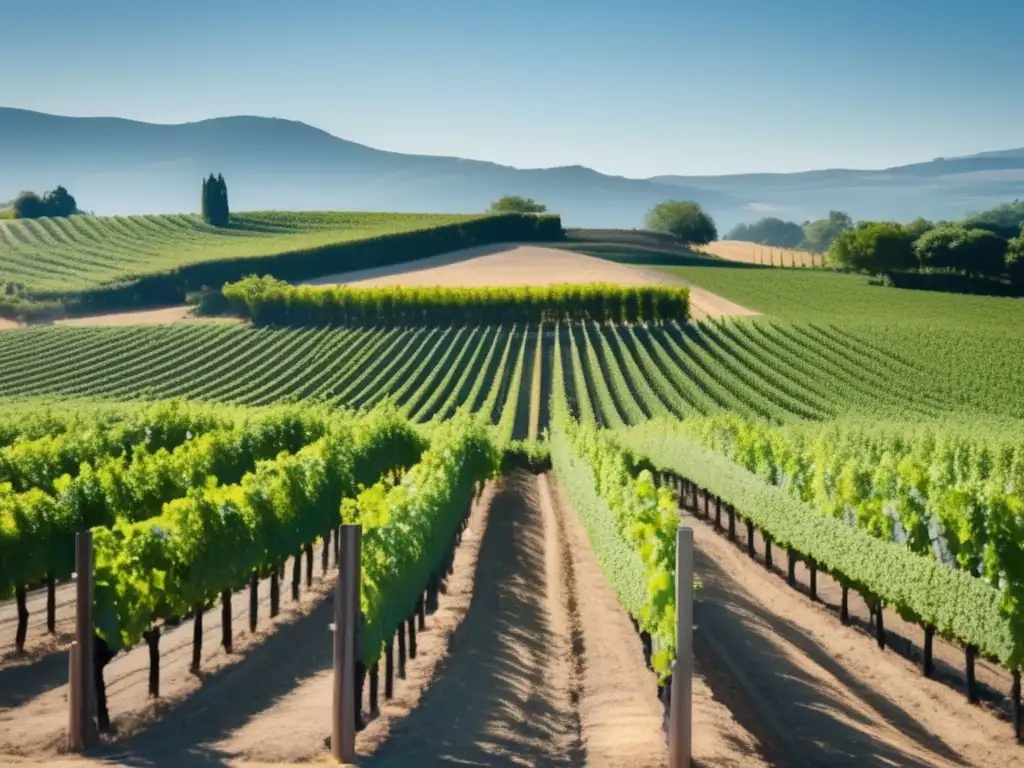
pixel 266 300
pixel 630 523
pixel 950 602
pixel 623 373
pixel 217 538
pixel 37 526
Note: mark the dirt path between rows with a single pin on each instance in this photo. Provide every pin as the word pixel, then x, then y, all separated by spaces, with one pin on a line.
pixel 820 694
pixel 528 661
pixel 620 713
pixel 501 697
pixel 33 706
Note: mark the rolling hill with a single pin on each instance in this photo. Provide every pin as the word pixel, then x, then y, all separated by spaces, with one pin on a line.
pixel 117 166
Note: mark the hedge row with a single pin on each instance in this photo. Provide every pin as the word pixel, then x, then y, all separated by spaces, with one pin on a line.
pixel 268 301
pixel 957 605
pixel 409 528
pixel 215 536
pixel 174 286
pixel 37 461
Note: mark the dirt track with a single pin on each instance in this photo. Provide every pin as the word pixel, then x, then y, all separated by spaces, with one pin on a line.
pixel 181 314
pixel 144 317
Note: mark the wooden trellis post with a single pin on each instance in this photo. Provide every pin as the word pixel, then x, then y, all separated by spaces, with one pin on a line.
pixel 346 619
pixel 81 729
pixel 680 738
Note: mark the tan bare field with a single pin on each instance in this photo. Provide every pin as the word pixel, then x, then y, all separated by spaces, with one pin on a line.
pixel 182 314
pixel 143 317
pixel 752 253
pixel 511 264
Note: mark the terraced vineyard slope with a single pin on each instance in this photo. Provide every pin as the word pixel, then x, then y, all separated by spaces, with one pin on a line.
pixel 84 251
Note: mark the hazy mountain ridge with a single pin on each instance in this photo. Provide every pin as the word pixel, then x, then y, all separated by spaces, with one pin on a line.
pixel 114 165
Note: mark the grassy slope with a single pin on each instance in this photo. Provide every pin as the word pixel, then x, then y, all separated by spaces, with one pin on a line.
pixel 970 347
pixel 973 345
pixel 83 252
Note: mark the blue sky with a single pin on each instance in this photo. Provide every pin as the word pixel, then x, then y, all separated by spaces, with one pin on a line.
pixel 632 87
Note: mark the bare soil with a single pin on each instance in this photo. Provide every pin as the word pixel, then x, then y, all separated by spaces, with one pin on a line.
pixel 33 707
pixel 144 317
pixel 498 265
pixel 752 253
pixel 816 693
pixel 620 713
pixel 182 314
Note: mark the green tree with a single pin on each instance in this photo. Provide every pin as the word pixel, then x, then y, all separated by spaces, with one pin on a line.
pixel 954 247
pixel 517 204
pixel 223 209
pixel 28 205
pixel 214 204
pixel 875 247
pixel 819 234
pixel 684 220
pixel 57 203
pixel 769 231
pixel 1004 220
pixel 917 227
pixel 1015 260
pixel 204 208
pixel 983 253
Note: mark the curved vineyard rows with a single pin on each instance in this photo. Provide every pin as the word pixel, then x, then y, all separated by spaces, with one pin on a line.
pixel 615 375
pixel 84 251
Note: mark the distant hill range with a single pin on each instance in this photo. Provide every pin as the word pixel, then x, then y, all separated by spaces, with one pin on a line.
pixel 121 166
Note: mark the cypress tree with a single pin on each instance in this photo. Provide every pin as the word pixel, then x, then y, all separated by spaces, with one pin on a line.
pixel 214 201
pixel 223 211
pixel 205 203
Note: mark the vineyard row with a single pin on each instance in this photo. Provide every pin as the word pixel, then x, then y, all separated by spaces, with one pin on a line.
pixel 615 375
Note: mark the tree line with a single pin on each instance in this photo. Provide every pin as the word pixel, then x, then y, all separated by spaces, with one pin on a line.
pixel 813 236
pixel 989 244
pixel 57 203
pixel 683 219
